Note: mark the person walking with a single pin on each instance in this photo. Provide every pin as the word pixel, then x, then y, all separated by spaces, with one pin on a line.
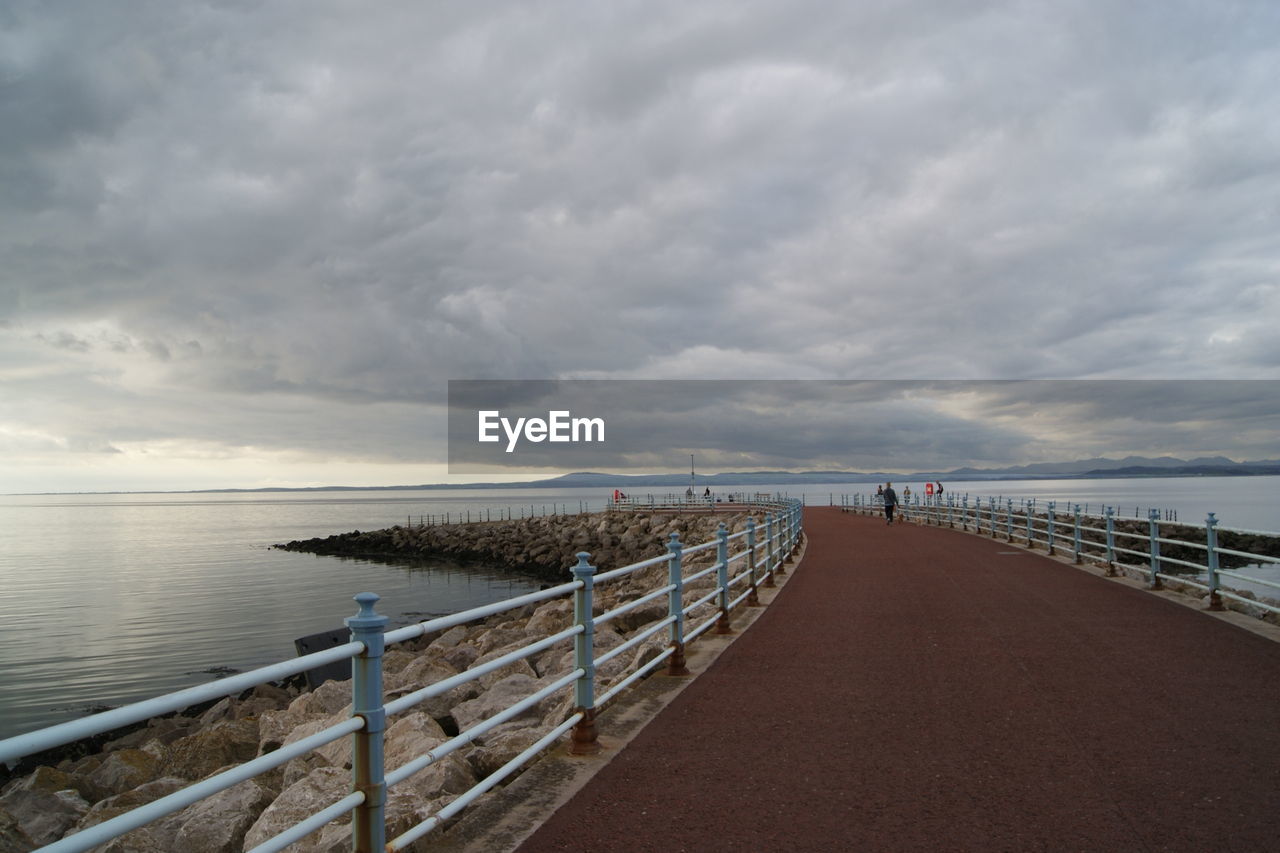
pixel 890 502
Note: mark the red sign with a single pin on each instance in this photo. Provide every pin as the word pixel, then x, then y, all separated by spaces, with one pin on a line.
pixel 928 488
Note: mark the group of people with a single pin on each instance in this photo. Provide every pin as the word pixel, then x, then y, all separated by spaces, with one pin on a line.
pixel 890 497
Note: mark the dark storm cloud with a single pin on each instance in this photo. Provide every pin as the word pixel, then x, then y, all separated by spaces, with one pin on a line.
pixel 251 211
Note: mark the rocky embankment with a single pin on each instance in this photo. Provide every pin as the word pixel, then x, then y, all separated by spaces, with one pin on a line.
pixel 48 802
pixel 543 548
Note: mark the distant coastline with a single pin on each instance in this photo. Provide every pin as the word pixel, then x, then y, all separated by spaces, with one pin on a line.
pixel 1130 467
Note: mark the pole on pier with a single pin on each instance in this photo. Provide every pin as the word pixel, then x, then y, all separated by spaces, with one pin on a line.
pixel 675 605
pixel 584 731
pixel 1111 542
pixel 1211 541
pixel 1153 526
pixel 753 599
pixel 368 825
pixel 722 579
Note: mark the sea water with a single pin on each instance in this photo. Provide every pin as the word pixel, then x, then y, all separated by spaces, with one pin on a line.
pixel 110 599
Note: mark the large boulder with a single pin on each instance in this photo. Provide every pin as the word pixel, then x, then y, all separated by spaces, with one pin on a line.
pixel 489 757
pixel 328 698
pixel 516 667
pixel 451 638
pixel 122 770
pixel 218 824
pixel 424 671
pixel 164 730
pixel 155 837
pixel 41 810
pixel 461 656
pixel 12 838
pixel 318 790
pixel 198 755
pixel 500 696
pixel 551 618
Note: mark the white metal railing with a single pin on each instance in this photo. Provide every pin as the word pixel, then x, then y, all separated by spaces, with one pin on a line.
pixel 760 557
pixel 1144 545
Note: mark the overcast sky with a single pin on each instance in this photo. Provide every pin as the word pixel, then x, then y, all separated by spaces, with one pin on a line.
pixel 247 244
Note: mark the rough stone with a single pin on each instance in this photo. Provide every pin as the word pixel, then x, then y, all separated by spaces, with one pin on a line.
pixel 328 698
pixel 123 770
pixel 551 618
pixel 157 835
pixel 427 670
pixel 223 709
pixel 218 824
pixel 235 730
pixel 317 790
pixel 12 838
pixel 43 815
pixel 461 656
pixel 197 755
pixel 518 667
pixel 500 696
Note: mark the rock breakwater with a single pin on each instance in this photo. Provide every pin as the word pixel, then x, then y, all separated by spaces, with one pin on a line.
pixel 39 805
pixel 542 548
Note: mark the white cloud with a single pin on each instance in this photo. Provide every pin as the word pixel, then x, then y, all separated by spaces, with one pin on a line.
pixel 340 206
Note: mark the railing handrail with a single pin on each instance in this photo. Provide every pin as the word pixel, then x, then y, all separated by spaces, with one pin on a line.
pixel 986 513
pixel 762 558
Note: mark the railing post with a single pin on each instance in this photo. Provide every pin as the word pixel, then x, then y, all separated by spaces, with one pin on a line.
pixel 964 513
pixel 779 555
pixel 584 690
pixel 1077 532
pixel 675 605
pixel 722 578
pixel 368 820
pixel 1153 527
pixel 753 598
pixel 1008 521
pixel 1111 542
pixel 991 506
pixel 1050 526
pixel 784 534
pixel 1211 542
pixel 771 551
pixel 1026 511
pixel 767 553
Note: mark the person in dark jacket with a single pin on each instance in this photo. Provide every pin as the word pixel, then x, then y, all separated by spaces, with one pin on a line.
pixel 890 502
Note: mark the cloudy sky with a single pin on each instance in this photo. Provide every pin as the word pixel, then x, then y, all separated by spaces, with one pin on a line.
pixel 247 244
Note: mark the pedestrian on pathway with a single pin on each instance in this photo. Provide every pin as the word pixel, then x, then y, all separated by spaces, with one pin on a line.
pixel 890 502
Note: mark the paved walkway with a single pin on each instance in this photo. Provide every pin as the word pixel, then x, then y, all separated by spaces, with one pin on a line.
pixel 915 688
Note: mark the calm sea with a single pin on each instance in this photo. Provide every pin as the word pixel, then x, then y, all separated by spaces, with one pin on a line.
pixel 108 599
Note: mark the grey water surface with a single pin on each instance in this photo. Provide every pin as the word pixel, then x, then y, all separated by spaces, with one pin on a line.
pixel 110 599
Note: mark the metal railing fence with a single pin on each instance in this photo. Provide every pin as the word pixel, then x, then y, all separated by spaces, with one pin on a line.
pixel 749 559
pixel 498 513
pixel 1156 546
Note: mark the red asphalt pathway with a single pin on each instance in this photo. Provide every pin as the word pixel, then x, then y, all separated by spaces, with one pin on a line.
pixel 916 688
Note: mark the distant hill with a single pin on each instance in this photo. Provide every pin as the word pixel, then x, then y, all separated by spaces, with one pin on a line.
pixel 1096 468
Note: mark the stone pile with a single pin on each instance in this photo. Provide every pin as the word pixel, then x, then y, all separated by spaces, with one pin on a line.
pixel 539 547
pixel 170 753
